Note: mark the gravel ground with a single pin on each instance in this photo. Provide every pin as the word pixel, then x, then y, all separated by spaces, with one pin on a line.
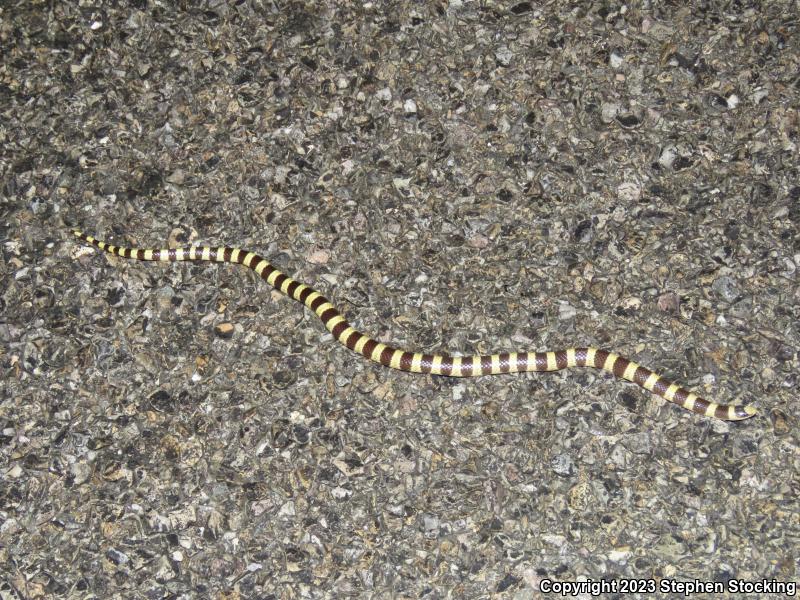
pixel 463 176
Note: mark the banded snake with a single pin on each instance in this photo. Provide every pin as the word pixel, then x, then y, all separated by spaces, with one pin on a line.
pixel 436 364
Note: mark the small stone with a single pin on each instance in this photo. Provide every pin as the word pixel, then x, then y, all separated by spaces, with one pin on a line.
pixel 566 311
pixel 620 554
pixel 319 257
pixel 478 241
pixel 668 156
pixel 726 288
pixel 780 422
pixel 341 493
pixel 224 331
pixel 608 111
pixel 669 302
pixel 287 510
pixel 430 524
pixel 758 95
pixel 629 191
pixel 631 303
pixel 503 55
pixel 563 465
pixel 117 557
pixel 717 102
pixel 402 185
pixel 177 177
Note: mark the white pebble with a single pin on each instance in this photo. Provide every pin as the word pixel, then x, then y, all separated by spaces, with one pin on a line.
pixel 629 191
pixel 566 311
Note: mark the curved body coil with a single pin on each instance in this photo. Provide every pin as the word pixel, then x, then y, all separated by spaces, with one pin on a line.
pixel 436 364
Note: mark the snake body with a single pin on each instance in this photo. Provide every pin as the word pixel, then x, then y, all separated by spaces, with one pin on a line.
pixel 436 364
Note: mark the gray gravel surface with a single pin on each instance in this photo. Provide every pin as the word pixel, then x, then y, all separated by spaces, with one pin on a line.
pixel 463 176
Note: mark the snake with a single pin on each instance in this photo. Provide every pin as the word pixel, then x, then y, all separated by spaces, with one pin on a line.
pixel 435 364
